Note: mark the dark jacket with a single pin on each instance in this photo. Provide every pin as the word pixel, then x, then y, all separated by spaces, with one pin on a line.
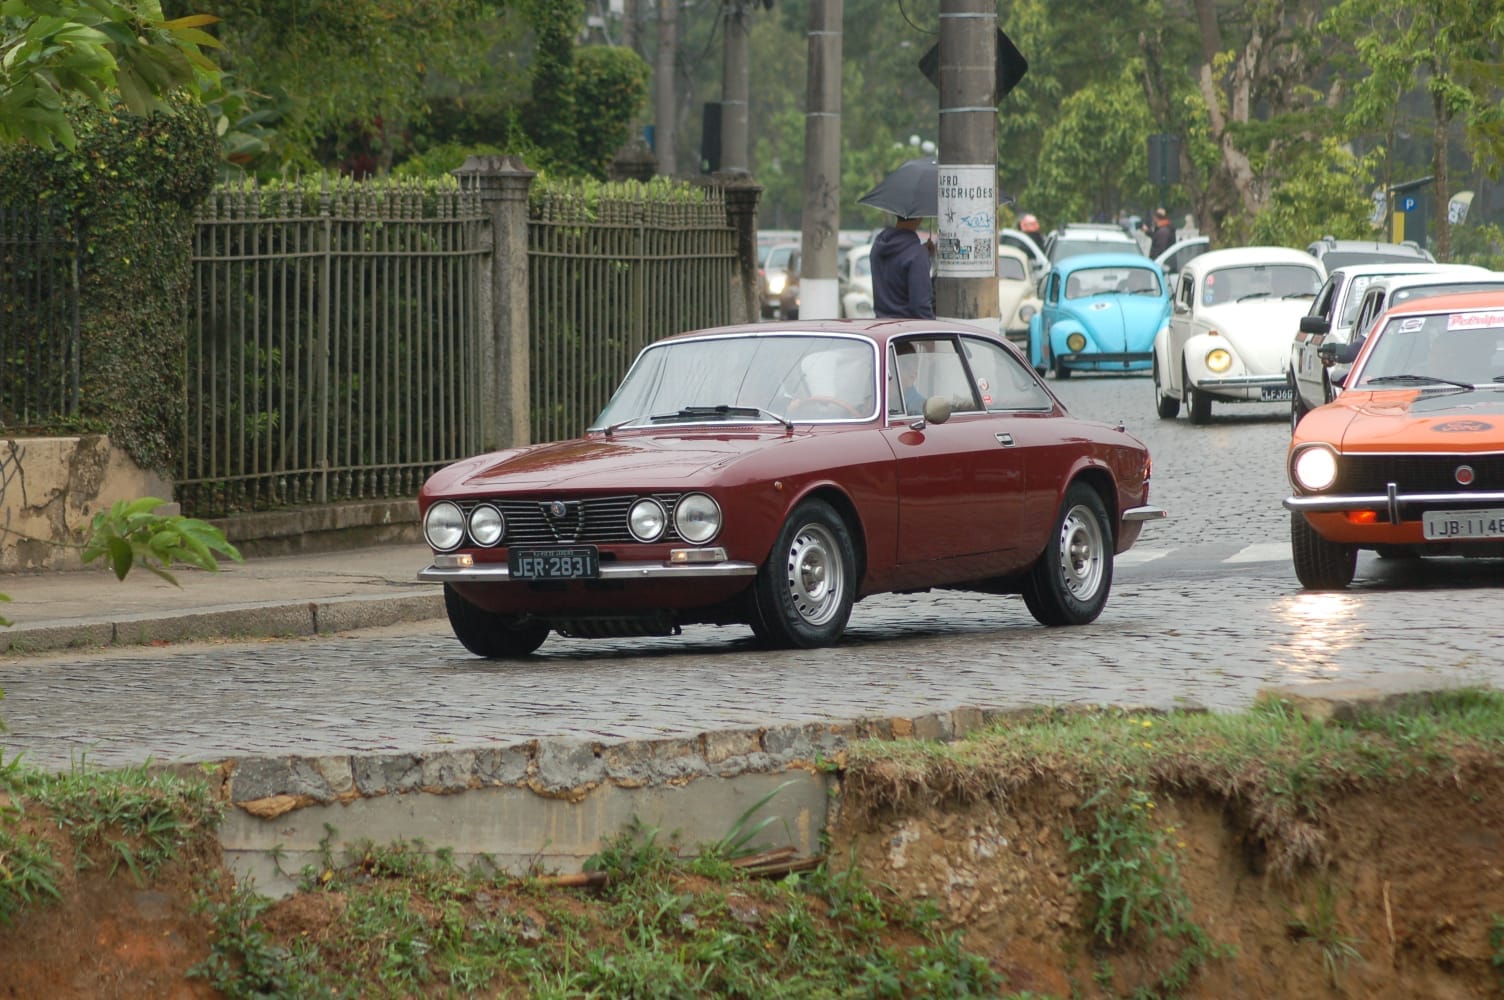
pixel 1161 238
pixel 901 287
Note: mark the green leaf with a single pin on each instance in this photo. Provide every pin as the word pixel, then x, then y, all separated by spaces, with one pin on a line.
pixel 121 557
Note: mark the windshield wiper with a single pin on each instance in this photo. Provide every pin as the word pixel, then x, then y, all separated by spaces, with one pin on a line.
pixel 720 412
pixel 1253 295
pixel 1425 379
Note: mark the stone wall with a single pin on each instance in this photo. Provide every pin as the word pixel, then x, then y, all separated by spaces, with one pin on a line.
pixel 50 490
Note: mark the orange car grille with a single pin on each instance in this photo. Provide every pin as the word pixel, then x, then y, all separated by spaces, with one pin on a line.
pixel 592 520
pixel 1417 473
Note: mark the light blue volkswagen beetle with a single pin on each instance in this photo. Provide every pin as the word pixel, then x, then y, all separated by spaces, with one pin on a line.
pixel 1100 313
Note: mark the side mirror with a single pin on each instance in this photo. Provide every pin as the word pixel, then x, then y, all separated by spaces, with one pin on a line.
pixel 1315 324
pixel 1337 354
pixel 936 410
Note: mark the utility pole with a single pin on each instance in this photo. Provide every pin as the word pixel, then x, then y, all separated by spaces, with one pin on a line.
pixel 663 86
pixel 735 86
pixel 819 297
pixel 966 254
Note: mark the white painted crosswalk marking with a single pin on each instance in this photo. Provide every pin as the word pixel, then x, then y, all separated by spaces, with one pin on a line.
pixel 1137 557
pixel 1261 552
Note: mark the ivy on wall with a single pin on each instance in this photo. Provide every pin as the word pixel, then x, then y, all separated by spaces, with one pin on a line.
pixel 132 184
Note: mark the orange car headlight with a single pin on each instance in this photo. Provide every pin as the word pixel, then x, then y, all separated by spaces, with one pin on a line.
pixel 1314 468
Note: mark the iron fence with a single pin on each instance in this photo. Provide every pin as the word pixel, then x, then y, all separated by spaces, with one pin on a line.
pixel 39 327
pixel 606 280
pixel 332 344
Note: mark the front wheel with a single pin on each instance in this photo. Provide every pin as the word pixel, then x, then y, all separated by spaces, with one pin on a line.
pixel 1320 564
pixel 1165 405
pixel 1070 581
pixel 1062 371
pixel 1298 407
pixel 485 633
pixel 804 592
pixel 1198 402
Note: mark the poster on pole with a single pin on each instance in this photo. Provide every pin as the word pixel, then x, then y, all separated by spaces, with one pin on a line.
pixel 966 245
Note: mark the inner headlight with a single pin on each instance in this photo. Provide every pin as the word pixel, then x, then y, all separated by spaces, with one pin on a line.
pixel 697 518
pixel 487 525
pixel 1218 359
pixel 775 284
pixel 647 520
pixel 1076 342
pixel 444 526
pixel 1314 469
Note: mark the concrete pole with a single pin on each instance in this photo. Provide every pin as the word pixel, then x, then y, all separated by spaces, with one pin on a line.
pixel 819 297
pixel 735 76
pixel 966 258
pixel 663 87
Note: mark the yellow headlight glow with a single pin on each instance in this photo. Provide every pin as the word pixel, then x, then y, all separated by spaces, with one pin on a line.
pixel 1076 342
pixel 1218 360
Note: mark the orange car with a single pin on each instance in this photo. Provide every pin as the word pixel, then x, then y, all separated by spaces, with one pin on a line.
pixel 1410 457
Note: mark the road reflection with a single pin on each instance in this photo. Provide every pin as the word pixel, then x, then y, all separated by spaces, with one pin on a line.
pixel 1321 626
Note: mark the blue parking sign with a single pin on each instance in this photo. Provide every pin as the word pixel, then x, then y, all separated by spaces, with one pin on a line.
pixel 1408 203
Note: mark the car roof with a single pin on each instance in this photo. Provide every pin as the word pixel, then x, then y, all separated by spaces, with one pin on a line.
pixel 1391 268
pixel 1455 302
pixel 1232 256
pixel 1105 259
pixel 880 330
pixel 1446 274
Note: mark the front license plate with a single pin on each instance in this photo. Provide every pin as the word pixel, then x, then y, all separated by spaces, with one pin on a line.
pixel 1271 393
pixel 1448 524
pixel 583 562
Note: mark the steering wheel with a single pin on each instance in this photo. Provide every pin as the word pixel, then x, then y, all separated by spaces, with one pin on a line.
pixel 822 402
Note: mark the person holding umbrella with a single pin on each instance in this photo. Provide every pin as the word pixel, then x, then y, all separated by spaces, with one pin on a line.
pixel 901 286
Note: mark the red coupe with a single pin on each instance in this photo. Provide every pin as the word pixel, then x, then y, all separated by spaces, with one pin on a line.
pixel 773 475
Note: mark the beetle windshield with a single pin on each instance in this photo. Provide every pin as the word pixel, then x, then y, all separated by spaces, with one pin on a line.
pixel 721 378
pixel 1112 280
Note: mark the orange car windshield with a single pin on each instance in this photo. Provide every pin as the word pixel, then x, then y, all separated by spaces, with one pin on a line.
pixel 1458 348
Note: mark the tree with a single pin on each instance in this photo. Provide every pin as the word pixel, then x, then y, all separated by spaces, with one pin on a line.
pixel 53 53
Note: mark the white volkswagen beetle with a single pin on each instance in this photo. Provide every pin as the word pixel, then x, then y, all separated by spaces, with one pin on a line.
pixel 1231 321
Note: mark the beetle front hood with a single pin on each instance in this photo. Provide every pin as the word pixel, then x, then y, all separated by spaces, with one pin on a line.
pixel 647 460
pixel 1260 330
pixel 1121 322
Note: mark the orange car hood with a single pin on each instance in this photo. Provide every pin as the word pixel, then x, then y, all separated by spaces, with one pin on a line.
pixel 1411 420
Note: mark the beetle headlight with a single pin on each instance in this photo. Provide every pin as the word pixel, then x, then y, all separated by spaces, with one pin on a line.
pixel 1075 342
pixel 1314 469
pixel 487 525
pixel 697 518
pixel 1026 312
pixel 444 526
pixel 1218 359
pixel 647 520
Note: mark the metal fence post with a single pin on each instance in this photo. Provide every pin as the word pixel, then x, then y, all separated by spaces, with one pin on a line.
pixel 502 182
pixel 742 194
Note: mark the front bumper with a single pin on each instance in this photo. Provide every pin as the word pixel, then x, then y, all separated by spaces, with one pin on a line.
pixel 441 572
pixel 1124 358
pixel 1395 505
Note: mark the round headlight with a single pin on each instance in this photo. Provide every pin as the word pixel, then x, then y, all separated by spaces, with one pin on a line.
pixel 444 526
pixel 697 518
pixel 776 283
pixel 1026 312
pixel 1218 359
pixel 1076 342
pixel 647 520
pixel 1315 469
pixel 487 525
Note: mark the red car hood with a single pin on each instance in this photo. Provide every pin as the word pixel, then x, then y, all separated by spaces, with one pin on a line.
pixel 644 461
pixel 1411 421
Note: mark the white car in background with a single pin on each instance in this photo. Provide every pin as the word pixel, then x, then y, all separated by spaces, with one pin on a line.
pixel 1017 300
pixel 856 283
pixel 1228 339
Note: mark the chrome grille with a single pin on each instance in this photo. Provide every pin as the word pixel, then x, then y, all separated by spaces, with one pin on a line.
pixel 1417 473
pixel 586 520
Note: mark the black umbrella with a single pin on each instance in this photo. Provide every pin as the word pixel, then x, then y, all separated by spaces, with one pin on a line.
pixel 910 192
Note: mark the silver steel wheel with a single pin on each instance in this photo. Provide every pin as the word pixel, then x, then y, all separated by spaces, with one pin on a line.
pixel 1082 553
pixel 815 575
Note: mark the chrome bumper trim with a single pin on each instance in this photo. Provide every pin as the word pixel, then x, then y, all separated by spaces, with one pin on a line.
pixel 609 571
pixel 1389 501
pixel 1145 513
pixel 1244 382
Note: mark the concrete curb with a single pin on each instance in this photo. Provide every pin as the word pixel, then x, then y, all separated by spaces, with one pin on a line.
pixel 262 619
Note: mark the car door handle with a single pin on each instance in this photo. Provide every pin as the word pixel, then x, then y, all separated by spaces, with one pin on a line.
pixel 1004 438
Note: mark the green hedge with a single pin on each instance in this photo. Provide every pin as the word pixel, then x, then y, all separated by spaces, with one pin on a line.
pixel 132 184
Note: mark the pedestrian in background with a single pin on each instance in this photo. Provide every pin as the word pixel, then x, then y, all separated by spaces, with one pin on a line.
pixel 1162 236
pixel 901 286
pixel 1029 225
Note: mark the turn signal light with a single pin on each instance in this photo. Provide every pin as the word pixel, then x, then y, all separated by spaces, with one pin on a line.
pixel 1362 517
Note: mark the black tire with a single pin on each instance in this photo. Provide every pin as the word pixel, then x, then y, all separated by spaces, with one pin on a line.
pixel 1298 407
pixel 1168 407
pixel 1060 370
pixel 1320 564
pixel 803 594
pixel 485 633
pixel 1072 577
pixel 1199 404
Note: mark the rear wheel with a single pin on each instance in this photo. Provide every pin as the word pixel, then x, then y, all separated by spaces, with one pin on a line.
pixel 1167 406
pixel 804 592
pixel 1320 564
pixel 485 633
pixel 1071 579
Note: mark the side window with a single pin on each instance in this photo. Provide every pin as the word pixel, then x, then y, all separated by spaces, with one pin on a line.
pixel 921 367
pixel 1187 291
pixel 1002 380
pixel 1322 306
